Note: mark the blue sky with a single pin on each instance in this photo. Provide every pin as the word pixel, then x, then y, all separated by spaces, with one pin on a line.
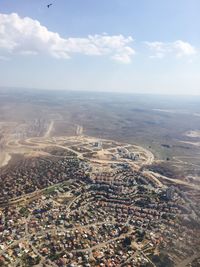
pixel 147 46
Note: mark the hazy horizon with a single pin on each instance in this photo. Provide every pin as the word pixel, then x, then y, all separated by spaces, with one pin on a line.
pixel 58 90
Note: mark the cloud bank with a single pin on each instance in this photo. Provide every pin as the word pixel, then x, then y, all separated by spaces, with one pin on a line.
pixel 178 48
pixel 27 36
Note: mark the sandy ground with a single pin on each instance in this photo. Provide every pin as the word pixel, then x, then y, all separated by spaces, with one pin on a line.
pixel 50 128
pixel 191 143
pixel 193 134
pixel 4 159
pixel 165 110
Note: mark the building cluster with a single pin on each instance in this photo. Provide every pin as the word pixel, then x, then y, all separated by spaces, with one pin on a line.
pixel 88 217
pixel 39 174
pixel 125 153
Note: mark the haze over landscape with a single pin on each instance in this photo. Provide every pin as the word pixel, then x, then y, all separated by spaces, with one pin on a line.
pixel 99 133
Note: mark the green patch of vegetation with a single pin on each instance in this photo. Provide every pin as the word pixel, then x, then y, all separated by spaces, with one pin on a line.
pixel 162 260
pixel 24 212
pixel 56 256
pixel 50 190
pixel 28 261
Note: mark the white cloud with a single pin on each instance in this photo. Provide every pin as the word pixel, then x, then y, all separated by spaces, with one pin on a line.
pixel 124 55
pixel 27 36
pixel 178 48
pixel 184 48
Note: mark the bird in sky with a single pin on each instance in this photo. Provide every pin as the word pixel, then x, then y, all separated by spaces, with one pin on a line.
pixel 49 5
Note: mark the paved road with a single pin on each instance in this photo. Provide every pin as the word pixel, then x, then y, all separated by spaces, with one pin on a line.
pixel 100 245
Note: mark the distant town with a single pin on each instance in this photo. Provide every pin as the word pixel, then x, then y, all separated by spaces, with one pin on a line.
pixel 83 201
